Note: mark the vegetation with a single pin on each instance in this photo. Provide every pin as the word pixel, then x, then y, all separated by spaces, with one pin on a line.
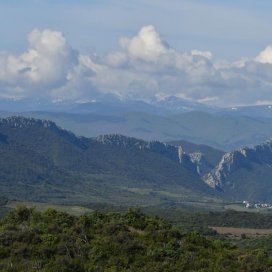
pixel 3 208
pixel 263 243
pixel 131 241
pixel 41 207
pixel 228 218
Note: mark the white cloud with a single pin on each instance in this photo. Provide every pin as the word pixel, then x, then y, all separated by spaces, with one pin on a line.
pixel 49 57
pixel 265 56
pixel 145 68
pixel 264 102
pixel 205 54
pixel 44 66
pixel 147 45
pixel 207 99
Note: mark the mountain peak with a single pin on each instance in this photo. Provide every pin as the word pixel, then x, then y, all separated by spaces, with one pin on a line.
pixel 24 122
pixel 121 141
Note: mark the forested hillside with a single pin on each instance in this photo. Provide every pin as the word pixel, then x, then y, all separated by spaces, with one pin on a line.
pixel 43 162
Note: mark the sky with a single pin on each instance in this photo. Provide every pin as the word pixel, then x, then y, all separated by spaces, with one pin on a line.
pixel 213 52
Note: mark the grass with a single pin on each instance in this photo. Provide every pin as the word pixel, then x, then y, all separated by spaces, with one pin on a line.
pixel 73 210
pixel 186 204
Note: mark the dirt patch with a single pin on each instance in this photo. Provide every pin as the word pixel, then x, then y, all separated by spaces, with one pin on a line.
pixel 242 232
pixel 133 230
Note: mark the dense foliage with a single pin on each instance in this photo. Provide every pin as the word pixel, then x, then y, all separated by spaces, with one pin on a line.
pixel 3 209
pixel 262 242
pixel 54 241
pixel 228 218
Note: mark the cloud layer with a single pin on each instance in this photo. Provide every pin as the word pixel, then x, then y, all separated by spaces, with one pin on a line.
pixel 145 68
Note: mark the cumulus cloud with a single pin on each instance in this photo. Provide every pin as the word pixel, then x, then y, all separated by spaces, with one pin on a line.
pixel 206 54
pixel 49 68
pixel 265 56
pixel 44 65
pixel 145 67
pixel 147 45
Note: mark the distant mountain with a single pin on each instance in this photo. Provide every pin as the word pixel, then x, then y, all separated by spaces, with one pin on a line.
pixel 167 119
pixel 222 132
pixel 118 107
pixel 43 162
pixel 245 173
pixel 109 104
pixel 32 104
pixel 106 104
pixel 263 111
pixel 178 105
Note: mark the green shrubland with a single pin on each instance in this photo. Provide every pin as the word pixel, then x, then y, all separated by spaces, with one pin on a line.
pixel 55 241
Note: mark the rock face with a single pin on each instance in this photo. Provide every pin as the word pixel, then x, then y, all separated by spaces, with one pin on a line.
pixel 120 141
pixel 243 158
pixel 202 165
pixel 195 162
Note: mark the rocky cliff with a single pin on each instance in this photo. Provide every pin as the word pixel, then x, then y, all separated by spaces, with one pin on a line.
pixel 239 159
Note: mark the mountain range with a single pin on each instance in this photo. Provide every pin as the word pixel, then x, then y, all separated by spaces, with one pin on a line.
pixel 169 119
pixel 224 132
pixel 105 105
pixel 42 162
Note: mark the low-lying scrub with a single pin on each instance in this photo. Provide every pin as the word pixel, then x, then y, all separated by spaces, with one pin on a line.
pixel 55 241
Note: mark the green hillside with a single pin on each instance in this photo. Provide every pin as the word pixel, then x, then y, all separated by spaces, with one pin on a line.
pixel 252 183
pixel 42 162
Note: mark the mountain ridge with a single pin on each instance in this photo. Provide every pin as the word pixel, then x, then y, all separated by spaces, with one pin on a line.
pixel 221 131
pixel 99 165
pixel 137 165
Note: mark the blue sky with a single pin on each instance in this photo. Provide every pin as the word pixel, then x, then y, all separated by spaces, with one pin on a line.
pixel 213 52
pixel 229 29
